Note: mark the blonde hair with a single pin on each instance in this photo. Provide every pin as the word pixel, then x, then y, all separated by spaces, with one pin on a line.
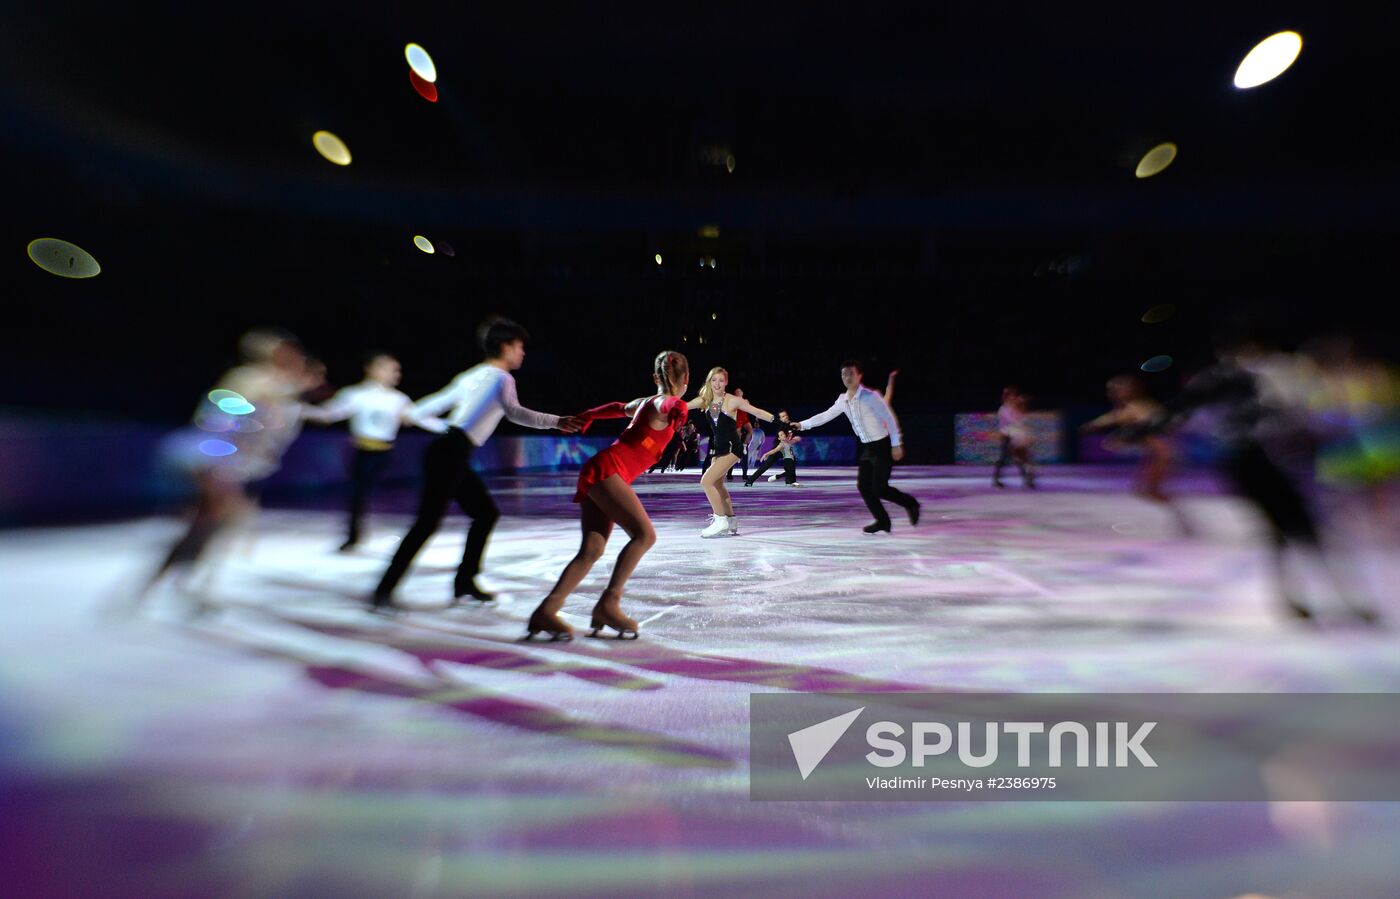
pixel 707 394
pixel 671 369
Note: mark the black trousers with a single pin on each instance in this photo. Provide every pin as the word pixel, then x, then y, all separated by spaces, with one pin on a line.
pixel 364 471
pixel 1007 457
pixel 789 469
pixel 1261 481
pixel 873 480
pixel 447 477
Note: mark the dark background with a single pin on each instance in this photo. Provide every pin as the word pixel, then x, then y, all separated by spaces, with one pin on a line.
pixel 946 189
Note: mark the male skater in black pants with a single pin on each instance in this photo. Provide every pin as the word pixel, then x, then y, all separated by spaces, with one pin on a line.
pixel 479 398
pixel 880 445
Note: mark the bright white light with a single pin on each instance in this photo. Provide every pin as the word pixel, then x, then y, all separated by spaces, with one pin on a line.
pixel 712 262
pixel 420 62
pixel 1270 58
pixel 1156 159
pixel 423 244
pixel 658 258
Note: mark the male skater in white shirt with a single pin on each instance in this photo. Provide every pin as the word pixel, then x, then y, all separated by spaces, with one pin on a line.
pixel 881 445
pixel 479 398
pixel 376 409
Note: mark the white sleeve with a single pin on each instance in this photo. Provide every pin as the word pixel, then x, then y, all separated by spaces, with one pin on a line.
pixel 337 408
pixel 437 403
pixel 822 417
pixel 886 415
pixel 518 413
pixel 409 413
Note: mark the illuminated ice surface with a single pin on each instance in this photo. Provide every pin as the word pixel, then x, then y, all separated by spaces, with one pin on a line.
pixel 291 744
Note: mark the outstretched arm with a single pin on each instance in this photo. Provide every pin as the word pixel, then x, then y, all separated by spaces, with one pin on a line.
pixel 822 418
pixel 522 416
pixel 754 410
pixel 607 410
pixel 337 408
pixel 889 388
pixel 1109 419
pixel 437 403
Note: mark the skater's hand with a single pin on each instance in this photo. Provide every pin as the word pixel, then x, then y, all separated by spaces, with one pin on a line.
pixel 897 453
pixel 570 425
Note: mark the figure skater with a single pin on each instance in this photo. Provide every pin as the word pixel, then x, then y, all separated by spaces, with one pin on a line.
pixel 605 497
pixel 726 448
pixel 1015 437
pixel 376 409
pixel 784 450
pixel 479 398
pixel 1140 420
pixel 881 445
pixel 252 416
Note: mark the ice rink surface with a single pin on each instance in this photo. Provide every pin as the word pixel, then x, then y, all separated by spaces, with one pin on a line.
pixel 288 743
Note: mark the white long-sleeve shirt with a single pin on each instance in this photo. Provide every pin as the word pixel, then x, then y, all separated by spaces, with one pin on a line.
pixel 870 417
pixel 375 411
pixel 479 398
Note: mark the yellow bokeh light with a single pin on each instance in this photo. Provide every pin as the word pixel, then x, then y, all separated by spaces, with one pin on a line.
pixel 658 258
pixel 710 231
pixel 1158 314
pixel 59 257
pixel 1269 59
pixel 1156 159
pixel 420 62
pixel 423 243
pixel 331 147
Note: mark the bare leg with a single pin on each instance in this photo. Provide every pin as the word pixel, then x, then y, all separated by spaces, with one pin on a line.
pixel 597 526
pixel 620 504
pixel 713 482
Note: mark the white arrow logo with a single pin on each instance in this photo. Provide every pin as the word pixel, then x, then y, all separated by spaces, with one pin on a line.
pixel 811 744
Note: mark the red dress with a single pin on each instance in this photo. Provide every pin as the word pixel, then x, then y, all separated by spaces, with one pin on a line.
pixel 636 449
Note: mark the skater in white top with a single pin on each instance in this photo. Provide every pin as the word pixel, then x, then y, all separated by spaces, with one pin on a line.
pixel 881 445
pixel 478 399
pixel 376 409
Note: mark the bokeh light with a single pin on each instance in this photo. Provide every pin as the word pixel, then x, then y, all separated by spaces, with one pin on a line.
pixel 420 62
pixel 426 89
pixel 423 244
pixel 236 406
pixel 331 147
pixel 445 248
pixel 658 258
pixel 59 257
pixel 1157 363
pixel 1158 314
pixel 1156 159
pixel 217 448
pixel 1269 59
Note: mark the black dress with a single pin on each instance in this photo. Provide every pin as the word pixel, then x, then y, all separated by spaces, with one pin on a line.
pixel 724 433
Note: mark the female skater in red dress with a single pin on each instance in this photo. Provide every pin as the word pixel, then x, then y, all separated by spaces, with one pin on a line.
pixel 605 498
